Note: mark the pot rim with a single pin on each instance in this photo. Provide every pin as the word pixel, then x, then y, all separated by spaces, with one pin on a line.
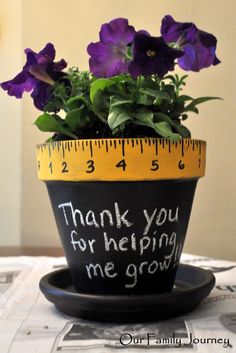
pixel 120 138
pixel 121 159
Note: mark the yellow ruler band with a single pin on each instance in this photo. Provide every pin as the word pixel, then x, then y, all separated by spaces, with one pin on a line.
pixel 121 159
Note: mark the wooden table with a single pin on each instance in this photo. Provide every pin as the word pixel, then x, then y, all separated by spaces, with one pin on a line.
pixel 30 251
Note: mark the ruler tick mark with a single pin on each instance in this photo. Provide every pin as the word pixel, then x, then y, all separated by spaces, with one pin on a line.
pixel 182 148
pixel 156 147
pixel 141 146
pixel 49 150
pixel 123 148
pixel 169 146
pixel 91 148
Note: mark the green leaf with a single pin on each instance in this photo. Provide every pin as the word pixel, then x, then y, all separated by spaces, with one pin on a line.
pixel 50 139
pixel 164 129
pixel 77 118
pixel 170 90
pixel 142 113
pixel 99 84
pixel 155 93
pixel 184 116
pixel 100 106
pixel 197 101
pixel 181 79
pixel 51 123
pixel 162 117
pixel 143 99
pixel 184 98
pixel 117 116
pixel 171 78
pixel 145 121
pixel 181 129
pixel 75 102
pixel 121 102
pixel 191 108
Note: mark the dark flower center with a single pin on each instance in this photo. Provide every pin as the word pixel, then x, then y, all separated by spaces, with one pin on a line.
pixel 150 53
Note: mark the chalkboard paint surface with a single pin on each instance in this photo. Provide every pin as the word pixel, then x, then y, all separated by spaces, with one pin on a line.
pixel 122 237
pixel 192 285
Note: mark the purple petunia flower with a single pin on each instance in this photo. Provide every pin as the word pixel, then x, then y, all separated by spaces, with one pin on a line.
pixel 151 55
pixel 109 56
pixel 199 46
pixel 38 75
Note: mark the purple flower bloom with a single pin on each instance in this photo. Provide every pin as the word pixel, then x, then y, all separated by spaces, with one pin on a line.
pixel 151 55
pixel 38 75
pixel 199 46
pixel 109 56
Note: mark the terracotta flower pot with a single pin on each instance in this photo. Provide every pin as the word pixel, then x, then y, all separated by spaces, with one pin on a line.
pixel 122 208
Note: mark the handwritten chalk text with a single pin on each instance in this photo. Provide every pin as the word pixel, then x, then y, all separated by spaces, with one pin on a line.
pixel 115 218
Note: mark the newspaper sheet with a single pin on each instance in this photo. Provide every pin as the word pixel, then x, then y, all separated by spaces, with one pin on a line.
pixel 31 324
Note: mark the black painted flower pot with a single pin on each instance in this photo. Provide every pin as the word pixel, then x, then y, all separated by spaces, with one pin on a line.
pixel 122 209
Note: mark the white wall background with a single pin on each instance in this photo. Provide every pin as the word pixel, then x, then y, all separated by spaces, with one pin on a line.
pixel 11 124
pixel 71 25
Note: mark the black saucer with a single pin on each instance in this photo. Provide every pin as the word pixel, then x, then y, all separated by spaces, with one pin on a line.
pixel 192 285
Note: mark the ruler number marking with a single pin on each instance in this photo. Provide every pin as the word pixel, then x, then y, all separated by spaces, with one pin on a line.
pixel 155 165
pixel 121 164
pixel 91 167
pixel 64 168
pixel 50 167
pixel 181 165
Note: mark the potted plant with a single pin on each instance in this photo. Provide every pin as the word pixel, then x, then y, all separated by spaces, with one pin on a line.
pixel 121 167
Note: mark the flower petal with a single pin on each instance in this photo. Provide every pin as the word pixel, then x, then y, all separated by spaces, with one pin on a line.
pixel 199 46
pixel 59 65
pixel 19 84
pixel 104 62
pixel 38 67
pixel 173 31
pixel 41 95
pixel 116 31
pixel 48 51
pixel 151 55
pixel 109 57
pixel 196 57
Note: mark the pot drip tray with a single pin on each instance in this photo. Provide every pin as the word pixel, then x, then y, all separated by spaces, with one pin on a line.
pixel 192 285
